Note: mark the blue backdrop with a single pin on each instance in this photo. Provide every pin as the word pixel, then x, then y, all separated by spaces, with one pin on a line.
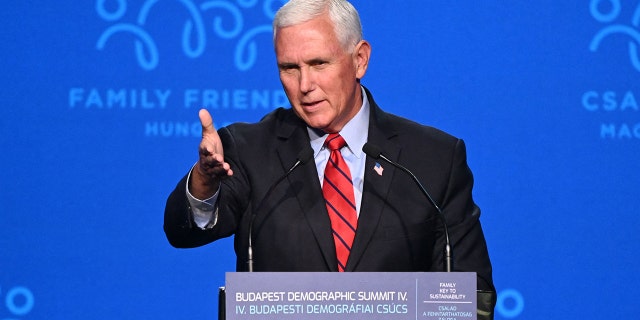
pixel 98 121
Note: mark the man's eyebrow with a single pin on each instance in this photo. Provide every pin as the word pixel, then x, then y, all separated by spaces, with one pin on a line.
pixel 316 61
pixel 287 65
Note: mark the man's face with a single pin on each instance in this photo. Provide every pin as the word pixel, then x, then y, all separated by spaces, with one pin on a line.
pixel 318 76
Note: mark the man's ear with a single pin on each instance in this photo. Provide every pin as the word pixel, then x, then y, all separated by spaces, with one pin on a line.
pixel 361 55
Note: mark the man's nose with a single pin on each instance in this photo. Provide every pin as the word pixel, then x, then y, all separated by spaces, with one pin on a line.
pixel 307 82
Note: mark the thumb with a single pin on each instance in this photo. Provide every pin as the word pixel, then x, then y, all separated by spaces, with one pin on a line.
pixel 206 121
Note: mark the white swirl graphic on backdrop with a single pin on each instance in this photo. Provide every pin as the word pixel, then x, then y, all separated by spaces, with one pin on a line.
pixel 18 301
pixel 630 31
pixel 194 33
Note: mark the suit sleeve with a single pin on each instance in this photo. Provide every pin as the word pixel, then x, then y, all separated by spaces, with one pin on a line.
pixel 179 226
pixel 463 220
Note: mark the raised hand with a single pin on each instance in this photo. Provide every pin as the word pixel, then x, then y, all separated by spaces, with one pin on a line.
pixel 211 168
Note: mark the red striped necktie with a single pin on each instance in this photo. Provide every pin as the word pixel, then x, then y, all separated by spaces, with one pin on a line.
pixel 337 189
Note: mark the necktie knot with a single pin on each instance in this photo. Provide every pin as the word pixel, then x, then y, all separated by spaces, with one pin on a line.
pixel 335 142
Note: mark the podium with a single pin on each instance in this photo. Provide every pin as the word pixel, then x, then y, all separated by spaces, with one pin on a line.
pixel 348 295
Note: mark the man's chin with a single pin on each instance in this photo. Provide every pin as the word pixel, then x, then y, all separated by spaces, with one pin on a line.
pixel 318 125
pixel 316 121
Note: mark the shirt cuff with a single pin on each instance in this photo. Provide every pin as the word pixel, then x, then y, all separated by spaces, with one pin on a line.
pixel 205 212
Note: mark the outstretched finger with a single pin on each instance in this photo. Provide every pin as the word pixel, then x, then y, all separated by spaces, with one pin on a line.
pixel 206 121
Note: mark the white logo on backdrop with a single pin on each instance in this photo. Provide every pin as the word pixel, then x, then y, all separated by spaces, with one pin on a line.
pixel 615 106
pixel 18 301
pixel 195 35
pixel 629 31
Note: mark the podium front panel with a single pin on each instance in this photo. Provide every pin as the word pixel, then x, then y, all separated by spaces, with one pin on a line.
pixel 351 295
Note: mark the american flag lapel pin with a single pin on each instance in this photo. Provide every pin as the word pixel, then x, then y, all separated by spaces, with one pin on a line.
pixel 378 169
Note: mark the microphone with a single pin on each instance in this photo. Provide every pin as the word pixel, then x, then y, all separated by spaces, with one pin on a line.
pixel 303 156
pixel 374 151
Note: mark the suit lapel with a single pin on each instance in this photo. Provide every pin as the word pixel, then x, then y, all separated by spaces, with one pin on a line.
pixel 376 185
pixel 307 187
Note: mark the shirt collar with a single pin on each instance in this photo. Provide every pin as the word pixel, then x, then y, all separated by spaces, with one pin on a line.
pixel 355 132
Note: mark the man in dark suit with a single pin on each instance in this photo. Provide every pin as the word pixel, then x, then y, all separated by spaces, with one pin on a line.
pixel 235 185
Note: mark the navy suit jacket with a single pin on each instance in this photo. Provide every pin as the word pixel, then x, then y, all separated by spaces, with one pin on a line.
pixel 398 229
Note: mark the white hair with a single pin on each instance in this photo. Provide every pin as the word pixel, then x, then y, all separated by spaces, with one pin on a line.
pixel 345 18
